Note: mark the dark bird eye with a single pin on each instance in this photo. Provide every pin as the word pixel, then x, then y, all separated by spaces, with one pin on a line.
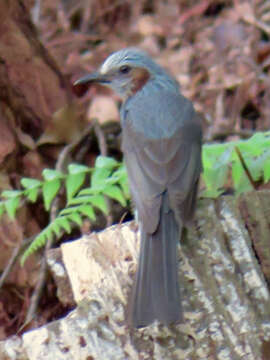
pixel 125 69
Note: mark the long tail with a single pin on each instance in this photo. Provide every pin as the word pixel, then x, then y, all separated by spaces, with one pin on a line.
pixel 156 293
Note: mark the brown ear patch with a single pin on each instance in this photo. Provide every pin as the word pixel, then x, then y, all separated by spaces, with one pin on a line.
pixel 140 77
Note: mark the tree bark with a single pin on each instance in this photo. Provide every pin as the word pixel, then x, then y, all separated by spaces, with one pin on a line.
pixel 31 86
pixel 223 273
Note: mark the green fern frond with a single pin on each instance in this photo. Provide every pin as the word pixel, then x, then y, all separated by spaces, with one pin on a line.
pixel 104 179
pixel 109 179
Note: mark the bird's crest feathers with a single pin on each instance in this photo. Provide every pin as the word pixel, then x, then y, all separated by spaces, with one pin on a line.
pixel 130 56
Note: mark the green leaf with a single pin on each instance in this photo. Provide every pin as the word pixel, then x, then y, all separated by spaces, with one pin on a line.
pixel 240 180
pixel 111 180
pixel 49 174
pixel 77 169
pixel 49 191
pixel 80 200
pixel 262 165
pixel 105 162
pixel 212 193
pixel 209 177
pixel 215 173
pixel 257 144
pixel 68 210
pixel 37 243
pixel 11 206
pixel 115 193
pixel 88 211
pixel 76 218
pixel 64 223
pixel 255 167
pixel 266 170
pixel 125 188
pixel 9 194
pixel 99 202
pixel 48 233
pixel 237 173
pixel 29 183
pixel 56 228
pixel 88 191
pixel 121 174
pixel 98 178
pixel 218 157
pixel 32 194
pixel 2 208
pixel 73 183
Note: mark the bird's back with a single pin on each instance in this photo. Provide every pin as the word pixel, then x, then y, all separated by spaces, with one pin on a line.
pixel 157 112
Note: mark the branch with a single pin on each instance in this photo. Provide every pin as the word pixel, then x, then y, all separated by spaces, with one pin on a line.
pixel 243 163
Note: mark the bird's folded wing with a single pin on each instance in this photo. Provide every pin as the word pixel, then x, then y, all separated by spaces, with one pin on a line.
pixel 170 164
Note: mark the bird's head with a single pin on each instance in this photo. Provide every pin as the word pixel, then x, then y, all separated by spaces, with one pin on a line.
pixel 125 71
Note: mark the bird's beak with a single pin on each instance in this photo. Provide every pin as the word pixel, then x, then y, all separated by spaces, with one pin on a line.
pixel 81 85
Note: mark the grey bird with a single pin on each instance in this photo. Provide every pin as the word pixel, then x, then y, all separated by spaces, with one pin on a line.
pixel 161 142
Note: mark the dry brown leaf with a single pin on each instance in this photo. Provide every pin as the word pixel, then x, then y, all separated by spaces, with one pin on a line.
pixel 7 140
pixel 103 108
pixel 33 164
pixel 228 34
pixel 25 139
pixel 148 25
pixel 64 127
pixel 11 235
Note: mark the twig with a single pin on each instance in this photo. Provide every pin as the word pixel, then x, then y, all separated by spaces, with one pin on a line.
pixel 123 218
pixel 85 146
pixel 101 139
pixel 196 10
pixel 18 250
pixel 104 152
pixel 43 272
pixel 35 12
pixel 107 10
pixel 224 134
pixel 242 161
pixel 257 23
pixel 67 149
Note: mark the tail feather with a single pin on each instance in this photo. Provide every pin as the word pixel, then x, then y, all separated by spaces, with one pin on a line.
pixel 156 293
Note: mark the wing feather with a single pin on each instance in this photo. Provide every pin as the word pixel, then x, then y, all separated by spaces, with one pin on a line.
pixel 165 163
